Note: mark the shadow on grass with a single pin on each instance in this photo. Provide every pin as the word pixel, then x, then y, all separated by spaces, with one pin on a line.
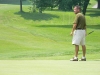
pixel 93 12
pixel 94 26
pixel 55 26
pixel 68 26
pixel 36 16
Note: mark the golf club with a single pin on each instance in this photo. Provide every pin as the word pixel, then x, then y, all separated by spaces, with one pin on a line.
pixel 90 32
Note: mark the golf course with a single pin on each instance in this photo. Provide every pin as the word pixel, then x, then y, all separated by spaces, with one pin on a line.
pixel 40 43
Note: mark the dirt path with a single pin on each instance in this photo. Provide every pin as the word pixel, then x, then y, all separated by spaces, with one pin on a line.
pixel 95 6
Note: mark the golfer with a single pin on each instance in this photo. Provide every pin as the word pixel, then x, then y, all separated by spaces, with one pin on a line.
pixel 79 32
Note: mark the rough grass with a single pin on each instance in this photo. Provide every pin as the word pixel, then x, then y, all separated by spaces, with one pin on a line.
pixel 44 36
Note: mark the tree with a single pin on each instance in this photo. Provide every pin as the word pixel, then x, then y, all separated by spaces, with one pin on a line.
pixel 43 4
pixel 98 4
pixel 69 4
pixel 21 5
pixel 65 5
pixel 85 4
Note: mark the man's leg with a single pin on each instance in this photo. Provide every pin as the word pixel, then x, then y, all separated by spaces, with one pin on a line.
pixel 84 50
pixel 76 53
pixel 84 53
pixel 76 50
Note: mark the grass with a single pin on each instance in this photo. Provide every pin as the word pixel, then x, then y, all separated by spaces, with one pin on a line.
pixel 40 44
pixel 43 36
pixel 48 67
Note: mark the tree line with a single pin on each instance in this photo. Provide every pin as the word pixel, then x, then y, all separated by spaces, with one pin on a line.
pixel 64 5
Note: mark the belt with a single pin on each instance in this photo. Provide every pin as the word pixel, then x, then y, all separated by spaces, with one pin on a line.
pixel 80 29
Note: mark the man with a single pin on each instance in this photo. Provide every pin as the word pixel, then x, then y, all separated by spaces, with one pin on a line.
pixel 78 32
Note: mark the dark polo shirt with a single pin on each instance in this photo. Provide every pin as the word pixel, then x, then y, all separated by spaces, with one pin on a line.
pixel 80 21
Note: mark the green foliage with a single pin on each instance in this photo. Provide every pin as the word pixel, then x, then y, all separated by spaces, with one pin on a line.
pixel 33 7
pixel 43 4
pixel 68 4
pixel 65 5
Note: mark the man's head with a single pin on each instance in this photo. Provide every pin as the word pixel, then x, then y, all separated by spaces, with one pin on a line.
pixel 77 9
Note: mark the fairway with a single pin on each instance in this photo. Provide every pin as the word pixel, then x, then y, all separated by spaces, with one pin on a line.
pixel 48 67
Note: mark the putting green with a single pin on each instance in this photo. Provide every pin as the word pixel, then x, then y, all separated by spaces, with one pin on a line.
pixel 48 67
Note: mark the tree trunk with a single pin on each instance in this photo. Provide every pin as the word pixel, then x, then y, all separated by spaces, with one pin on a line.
pixel 86 2
pixel 98 4
pixel 21 6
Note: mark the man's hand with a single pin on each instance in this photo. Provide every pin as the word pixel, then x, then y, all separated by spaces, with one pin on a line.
pixel 71 33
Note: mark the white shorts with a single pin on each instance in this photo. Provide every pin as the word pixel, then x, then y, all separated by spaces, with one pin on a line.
pixel 79 37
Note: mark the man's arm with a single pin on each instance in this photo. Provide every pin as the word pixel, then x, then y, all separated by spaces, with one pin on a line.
pixel 74 24
pixel 74 27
